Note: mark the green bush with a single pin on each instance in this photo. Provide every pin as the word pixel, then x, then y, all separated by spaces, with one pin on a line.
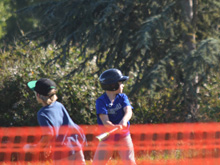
pixel 79 91
pixel 19 106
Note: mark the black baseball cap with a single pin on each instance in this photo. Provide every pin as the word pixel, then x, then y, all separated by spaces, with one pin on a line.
pixel 42 86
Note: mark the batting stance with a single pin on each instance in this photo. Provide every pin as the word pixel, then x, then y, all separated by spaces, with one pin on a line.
pixel 114 111
pixel 58 128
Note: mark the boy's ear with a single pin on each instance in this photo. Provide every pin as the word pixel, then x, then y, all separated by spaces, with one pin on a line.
pixel 38 95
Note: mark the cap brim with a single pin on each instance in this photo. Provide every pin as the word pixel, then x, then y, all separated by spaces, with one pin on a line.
pixel 32 84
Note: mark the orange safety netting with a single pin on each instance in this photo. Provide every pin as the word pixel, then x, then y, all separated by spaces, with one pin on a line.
pixel 177 143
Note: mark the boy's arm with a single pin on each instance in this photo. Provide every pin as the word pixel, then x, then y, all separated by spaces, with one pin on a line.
pixel 127 116
pixel 44 141
pixel 107 123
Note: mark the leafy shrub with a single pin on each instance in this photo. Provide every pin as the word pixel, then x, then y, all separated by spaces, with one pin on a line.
pixel 79 91
pixel 19 106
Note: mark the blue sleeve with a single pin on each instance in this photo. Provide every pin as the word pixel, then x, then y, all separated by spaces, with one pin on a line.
pixel 126 101
pixel 101 107
pixel 46 126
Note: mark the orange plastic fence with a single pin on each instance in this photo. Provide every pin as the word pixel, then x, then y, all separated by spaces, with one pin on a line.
pixel 177 143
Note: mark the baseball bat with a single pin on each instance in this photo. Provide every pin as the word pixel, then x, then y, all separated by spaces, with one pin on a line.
pixel 103 136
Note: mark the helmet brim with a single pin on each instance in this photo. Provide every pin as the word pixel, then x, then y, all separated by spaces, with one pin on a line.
pixel 124 78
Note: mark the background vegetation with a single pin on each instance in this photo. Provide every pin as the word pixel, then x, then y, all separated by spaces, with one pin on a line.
pixel 170 50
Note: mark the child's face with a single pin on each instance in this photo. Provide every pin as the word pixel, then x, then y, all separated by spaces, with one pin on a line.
pixel 121 86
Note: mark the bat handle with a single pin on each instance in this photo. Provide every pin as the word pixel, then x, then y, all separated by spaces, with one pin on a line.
pixel 115 129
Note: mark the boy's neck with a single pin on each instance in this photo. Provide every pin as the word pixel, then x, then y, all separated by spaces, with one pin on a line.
pixel 111 95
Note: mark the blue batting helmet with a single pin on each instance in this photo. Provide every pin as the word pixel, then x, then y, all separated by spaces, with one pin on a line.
pixel 109 79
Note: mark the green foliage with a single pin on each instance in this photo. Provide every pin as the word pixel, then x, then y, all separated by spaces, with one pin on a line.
pixel 19 106
pixel 78 93
pixel 209 101
pixel 209 19
pixel 148 40
pixel 13 25
pixel 4 15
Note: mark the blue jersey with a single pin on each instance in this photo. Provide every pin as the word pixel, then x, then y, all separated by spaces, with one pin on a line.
pixel 56 121
pixel 114 111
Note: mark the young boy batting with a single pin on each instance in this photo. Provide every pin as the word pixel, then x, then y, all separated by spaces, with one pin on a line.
pixel 59 130
pixel 114 110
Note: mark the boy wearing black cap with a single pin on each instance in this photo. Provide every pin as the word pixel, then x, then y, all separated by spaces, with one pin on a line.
pixel 58 127
pixel 114 110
